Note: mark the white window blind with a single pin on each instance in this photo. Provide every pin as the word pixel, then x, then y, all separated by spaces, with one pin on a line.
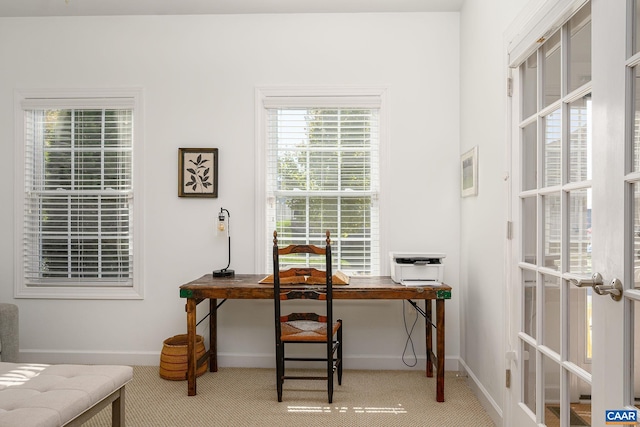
pixel 323 174
pixel 78 200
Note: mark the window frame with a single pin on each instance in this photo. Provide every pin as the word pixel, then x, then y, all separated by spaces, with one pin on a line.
pixel 305 96
pixel 88 97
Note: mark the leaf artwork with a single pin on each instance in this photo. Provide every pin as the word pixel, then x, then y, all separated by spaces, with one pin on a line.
pixel 200 178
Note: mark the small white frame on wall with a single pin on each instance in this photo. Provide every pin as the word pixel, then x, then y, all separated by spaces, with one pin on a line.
pixel 469 173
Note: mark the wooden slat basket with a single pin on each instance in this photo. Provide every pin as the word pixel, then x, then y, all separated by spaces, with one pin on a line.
pixel 173 358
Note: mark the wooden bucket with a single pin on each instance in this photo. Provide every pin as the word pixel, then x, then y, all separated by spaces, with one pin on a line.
pixel 173 358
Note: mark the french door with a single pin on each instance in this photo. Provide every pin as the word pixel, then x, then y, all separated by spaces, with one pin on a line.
pixel 576 214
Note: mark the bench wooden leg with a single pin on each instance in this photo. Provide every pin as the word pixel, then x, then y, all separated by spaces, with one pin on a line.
pixel 117 411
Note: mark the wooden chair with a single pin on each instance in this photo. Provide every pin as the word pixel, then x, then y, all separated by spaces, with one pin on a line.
pixel 308 328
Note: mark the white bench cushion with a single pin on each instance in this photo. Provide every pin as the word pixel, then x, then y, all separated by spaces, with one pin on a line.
pixel 52 395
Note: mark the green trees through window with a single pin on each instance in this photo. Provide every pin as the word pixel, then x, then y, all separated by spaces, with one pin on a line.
pixel 78 175
pixel 325 178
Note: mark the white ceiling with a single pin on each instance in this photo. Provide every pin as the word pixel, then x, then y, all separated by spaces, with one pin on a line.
pixel 15 8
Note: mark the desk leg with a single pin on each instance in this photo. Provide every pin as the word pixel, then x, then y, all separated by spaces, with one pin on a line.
pixel 440 349
pixel 429 335
pixel 191 346
pixel 213 335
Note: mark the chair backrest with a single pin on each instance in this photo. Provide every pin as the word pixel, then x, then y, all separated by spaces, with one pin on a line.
pixel 321 279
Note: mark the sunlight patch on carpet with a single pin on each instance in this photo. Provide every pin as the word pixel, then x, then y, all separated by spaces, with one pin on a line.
pixel 343 409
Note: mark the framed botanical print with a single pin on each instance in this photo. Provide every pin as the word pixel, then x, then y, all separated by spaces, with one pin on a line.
pixel 198 172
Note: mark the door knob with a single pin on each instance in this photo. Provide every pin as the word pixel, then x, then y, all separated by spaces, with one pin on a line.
pixel 614 289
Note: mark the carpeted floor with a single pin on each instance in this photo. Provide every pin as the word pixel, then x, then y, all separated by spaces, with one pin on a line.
pixel 577 415
pixel 247 397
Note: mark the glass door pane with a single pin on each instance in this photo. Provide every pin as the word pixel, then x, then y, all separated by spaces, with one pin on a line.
pixel 552 312
pixel 552 149
pixel 530 86
pixel 552 231
pixel 529 230
pixel 636 27
pixel 529 376
pixel 636 121
pixel 636 236
pixel 635 336
pixel 530 303
pixel 579 402
pixel 580 231
pixel 551 390
pixel 580 337
pixel 580 48
pixel 530 156
pixel 552 59
pixel 580 144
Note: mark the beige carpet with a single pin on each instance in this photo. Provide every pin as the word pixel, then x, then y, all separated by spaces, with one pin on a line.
pixel 247 397
pixel 580 415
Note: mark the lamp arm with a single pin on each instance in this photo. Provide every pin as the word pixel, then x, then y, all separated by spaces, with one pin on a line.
pixel 229 257
pixel 224 210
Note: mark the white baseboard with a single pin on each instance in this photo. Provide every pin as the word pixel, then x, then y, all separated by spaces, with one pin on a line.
pixel 151 358
pixel 261 360
pixel 488 403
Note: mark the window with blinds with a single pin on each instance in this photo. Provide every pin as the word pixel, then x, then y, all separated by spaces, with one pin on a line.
pixel 323 174
pixel 78 213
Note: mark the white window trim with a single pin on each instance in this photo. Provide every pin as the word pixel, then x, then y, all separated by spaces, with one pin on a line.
pixel 21 290
pixel 307 94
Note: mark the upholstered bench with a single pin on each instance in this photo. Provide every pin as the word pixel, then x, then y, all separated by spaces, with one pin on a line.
pixel 60 395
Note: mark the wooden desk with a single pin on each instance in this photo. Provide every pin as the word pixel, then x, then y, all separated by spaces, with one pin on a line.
pixel 246 286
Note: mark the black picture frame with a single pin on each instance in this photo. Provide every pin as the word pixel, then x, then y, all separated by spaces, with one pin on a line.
pixel 198 172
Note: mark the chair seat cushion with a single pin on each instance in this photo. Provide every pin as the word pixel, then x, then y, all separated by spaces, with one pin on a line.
pixel 306 330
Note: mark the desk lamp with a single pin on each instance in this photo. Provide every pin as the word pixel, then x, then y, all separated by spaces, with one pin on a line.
pixel 223 225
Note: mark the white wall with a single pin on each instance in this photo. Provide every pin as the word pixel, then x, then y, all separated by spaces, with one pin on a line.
pixel 199 74
pixel 483 218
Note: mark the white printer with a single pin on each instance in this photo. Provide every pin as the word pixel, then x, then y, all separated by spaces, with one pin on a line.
pixel 417 268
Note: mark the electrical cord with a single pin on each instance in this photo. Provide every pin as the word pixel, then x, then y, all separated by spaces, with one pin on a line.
pixel 409 341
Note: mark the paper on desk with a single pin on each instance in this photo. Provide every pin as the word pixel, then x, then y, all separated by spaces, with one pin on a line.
pixel 420 283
